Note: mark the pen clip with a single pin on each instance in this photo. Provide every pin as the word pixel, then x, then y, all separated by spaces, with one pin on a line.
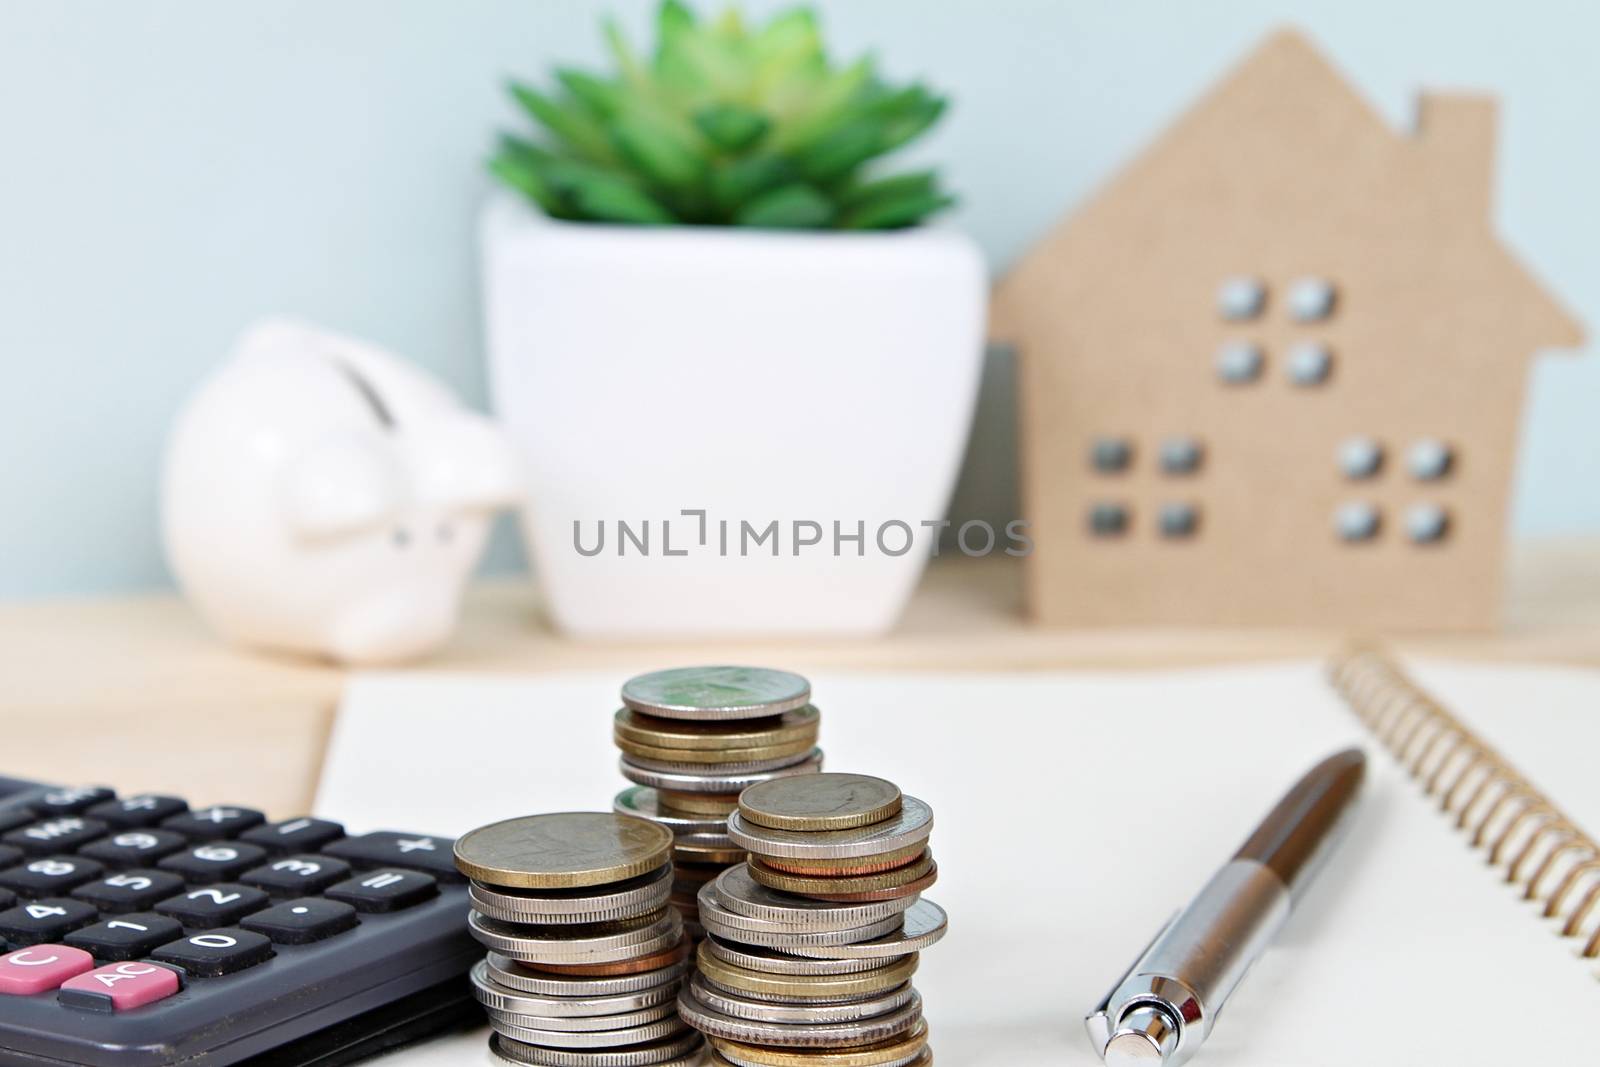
pixel 1099 1023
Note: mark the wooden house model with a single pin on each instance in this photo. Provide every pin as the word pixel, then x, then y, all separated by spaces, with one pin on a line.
pixel 1272 373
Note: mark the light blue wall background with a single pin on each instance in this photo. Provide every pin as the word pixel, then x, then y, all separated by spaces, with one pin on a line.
pixel 171 168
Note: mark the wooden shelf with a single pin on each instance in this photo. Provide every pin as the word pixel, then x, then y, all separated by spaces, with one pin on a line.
pixel 134 692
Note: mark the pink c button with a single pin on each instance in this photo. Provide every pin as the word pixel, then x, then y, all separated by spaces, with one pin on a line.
pixel 41 968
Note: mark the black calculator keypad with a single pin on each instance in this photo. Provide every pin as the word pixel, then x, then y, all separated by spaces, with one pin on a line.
pixel 387 848
pixel 125 937
pixel 214 823
pixel 39 921
pixel 60 833
pixel 145 809
pixel 214 861
pixel 303 834
pixel 213 905
pixel 214 953
pixel 136 890
pixel 385 890
pixel 302 921
pixel 54 802
pixel 290 939
pixel 49 875
pixel 133 848
pixel 294 876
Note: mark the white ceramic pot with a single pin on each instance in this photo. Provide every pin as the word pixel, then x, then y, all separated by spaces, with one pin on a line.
pixel 802 379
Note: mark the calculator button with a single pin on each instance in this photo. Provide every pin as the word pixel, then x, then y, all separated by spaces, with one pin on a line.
pixel 49 875
pixel 385 890
pixel 62 834
pixel 119 987
pixel 146 809
pixel 304 834
pixel 300 922
pixel 9 856
pixel 214 905
pixel 295 876
pixel 215 861
pixel 216 952
pixel 134 848
pixel 390 849
pixel 41 921
pixel 68 801
pixel 11 818
pixel 126 937
pixel 137 890
pixel 39 969
pixel 215 822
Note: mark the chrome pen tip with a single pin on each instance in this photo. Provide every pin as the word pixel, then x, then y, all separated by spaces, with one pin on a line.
pixel 1145 1036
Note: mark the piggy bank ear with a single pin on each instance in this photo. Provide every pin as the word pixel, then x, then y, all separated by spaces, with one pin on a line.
pixel 344 484
pixel 465 461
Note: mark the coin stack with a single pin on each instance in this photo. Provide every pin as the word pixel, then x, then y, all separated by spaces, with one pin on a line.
pixel 586 957
pixel 692 739
pixel 813 942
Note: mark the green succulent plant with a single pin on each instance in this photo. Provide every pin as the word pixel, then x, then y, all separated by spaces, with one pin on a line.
pixel 726 124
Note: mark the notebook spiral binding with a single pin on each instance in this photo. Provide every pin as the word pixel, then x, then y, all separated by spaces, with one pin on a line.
pixel 1536 844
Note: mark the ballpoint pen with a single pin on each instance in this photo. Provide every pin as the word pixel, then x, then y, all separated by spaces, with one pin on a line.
pixel 1163 1008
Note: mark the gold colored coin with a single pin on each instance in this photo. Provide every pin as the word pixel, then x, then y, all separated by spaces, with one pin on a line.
pixel 642 729
pixel 895 1050
pixel 925 1059
pixel 563 850
pixel 888 861
pixel 685 850
pixel 821 802
pixel 714 756
pixel 907 890
pixel 698 803
pixel 736 979
pixel 805 885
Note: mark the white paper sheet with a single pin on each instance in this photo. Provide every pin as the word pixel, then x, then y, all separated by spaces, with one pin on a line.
pixel 1074 813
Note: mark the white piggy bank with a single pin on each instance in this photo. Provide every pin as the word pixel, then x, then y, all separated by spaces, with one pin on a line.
pixel 322 496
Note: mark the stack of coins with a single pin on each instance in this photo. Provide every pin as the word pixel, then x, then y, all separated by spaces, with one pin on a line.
pixel 812 944
pixel 586 957
pixel 692 739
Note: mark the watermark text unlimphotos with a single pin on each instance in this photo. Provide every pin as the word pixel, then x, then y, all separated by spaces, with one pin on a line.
pixel 693 532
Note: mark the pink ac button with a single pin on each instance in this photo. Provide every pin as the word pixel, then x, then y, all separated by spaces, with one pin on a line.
pixel 40 969
pixel 120 986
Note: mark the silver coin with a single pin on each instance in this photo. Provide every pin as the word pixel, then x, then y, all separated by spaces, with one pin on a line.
pixel 704 841
pixel 577 944
pixel 645 802
pixel 925 925
pixel 716 693
pixel 782 936
pixel 778 998
pixel 762 766
pixel 496 997
pixel 698 781
pixel 741 894
pixel 677 1050
pixel 834 1010
pixel 923 1057
pixel 581 1023
pixel 913 824
pixel 708 1020
pixel 625 900
pixel 507 972
pixel 620 1037
pixel 756 958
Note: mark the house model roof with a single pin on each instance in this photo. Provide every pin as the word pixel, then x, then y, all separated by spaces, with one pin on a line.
pixel 1286 143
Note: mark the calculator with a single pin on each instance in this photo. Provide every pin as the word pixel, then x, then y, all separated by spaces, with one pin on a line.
pixel 140 931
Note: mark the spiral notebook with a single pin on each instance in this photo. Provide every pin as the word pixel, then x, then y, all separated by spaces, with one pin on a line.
pixel 1076 811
